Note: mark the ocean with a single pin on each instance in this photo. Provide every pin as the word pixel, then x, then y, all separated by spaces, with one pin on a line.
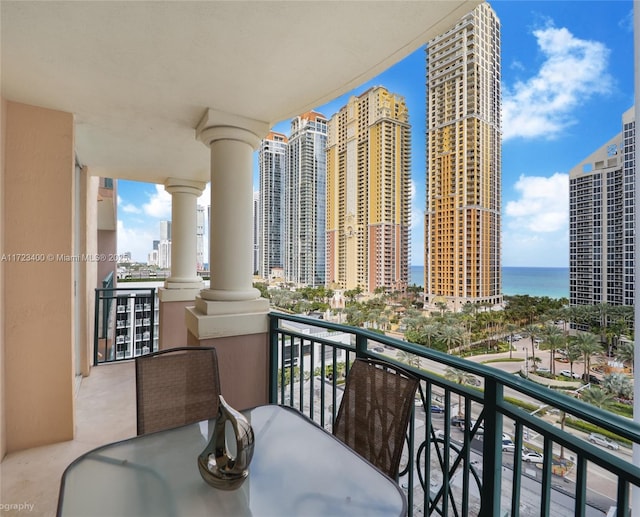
pixel 534 281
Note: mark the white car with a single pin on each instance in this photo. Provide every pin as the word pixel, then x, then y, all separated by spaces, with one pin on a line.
pixel 603 441
pixel 532 456
pixel 542 369
pixel 508 446
pixel 567 373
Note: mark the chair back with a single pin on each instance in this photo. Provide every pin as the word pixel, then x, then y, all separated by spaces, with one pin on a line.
pixel 175 387
pixel 374 412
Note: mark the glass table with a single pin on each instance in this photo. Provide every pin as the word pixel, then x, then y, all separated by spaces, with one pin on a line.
pixel 298 469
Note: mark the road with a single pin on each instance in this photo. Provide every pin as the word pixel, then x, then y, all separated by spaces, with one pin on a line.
pixel 562 491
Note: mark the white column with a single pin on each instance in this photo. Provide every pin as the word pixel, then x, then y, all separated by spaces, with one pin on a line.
pixel 231 295
pixel 184 196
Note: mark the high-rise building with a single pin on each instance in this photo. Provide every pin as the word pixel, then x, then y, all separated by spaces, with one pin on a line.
pixel 271 165
pixel 304 200
pixel 602 224
pixel 256 232
pixel 463 160
pixel 200 233
pixel 165 230
pixel 164 246
pixel 368 193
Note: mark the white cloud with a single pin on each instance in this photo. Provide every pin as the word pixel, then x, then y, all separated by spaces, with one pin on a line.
pixel 543 206
pixel 536 225
pixel 128 207
pixel 159 204
pixel 573 70
pixel 138 240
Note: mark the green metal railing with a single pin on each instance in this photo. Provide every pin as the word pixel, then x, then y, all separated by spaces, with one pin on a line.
pixel 454 463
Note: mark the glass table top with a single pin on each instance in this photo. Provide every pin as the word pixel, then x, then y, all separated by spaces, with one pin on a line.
pixel 298 469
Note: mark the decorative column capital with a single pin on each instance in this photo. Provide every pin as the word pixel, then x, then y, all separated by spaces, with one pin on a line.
pixel 217 125
pixel 181 186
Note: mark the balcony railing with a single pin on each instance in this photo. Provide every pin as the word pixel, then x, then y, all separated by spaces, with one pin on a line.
pixel 454 462
pixel 125 323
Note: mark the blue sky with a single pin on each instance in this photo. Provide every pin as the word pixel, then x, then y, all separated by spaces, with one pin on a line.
pixel 567 78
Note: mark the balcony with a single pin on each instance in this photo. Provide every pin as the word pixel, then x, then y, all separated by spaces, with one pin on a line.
pixel 458 444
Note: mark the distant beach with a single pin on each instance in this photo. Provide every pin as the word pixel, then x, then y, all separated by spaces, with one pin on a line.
pixel 534 281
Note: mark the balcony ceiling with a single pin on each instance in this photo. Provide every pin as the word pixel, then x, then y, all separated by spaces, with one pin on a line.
pixel 139 75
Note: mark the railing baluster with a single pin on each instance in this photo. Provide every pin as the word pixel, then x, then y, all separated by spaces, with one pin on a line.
pixel 581 487
pixel 547 464
pixel 492 448
pixel 434 457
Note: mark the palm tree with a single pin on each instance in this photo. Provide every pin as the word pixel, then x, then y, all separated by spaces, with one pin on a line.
pixel 449 335
pixel 588 345
pixel 430 331
pixel 532 331
pixel 459 377
pixel 573 354
pixel 442 306
pixel 409 358
pixel 603 310
pixel 598 397
pixel 553 338
pixel 511 329
pixel 624 352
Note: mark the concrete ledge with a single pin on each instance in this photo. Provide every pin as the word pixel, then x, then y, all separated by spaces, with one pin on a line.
pixel 211 326
pixel 179 295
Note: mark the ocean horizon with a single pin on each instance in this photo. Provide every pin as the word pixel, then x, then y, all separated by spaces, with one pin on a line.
pixel 534 281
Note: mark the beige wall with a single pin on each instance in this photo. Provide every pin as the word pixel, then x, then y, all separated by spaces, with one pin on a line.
pixel 108 246
pixel 38 310
pixel 3 444
pixel 87 283
pixel 172 329
pixel 244 363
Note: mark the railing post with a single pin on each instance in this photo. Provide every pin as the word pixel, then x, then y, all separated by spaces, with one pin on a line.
pixel 96 326
pixel 361 345
pixel 152 336
pixel 491 490
pixel 273 358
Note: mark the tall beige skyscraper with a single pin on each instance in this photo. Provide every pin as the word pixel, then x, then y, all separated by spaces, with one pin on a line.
pixel 368 193
pixel 463 177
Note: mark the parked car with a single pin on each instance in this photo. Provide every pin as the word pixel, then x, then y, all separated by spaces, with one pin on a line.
pixel 437 409
pixel 603 441
pixel 508 446
pixel 542 369
pixel 567 373
pixel 457 421
pixel 532 456
pixel 591 379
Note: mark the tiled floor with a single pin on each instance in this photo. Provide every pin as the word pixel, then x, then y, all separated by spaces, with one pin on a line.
pixel 105 412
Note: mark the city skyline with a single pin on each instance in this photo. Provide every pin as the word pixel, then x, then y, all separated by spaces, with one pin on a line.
pixel 567 77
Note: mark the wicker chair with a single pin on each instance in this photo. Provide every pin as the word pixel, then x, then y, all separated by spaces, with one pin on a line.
pixel 374 412
pixel 175 387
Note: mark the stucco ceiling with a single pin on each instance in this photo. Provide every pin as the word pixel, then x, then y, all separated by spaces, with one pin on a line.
pixel 139 75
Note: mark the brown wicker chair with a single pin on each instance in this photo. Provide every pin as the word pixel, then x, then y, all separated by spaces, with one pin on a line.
pixel 375 411
pixel 175 387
